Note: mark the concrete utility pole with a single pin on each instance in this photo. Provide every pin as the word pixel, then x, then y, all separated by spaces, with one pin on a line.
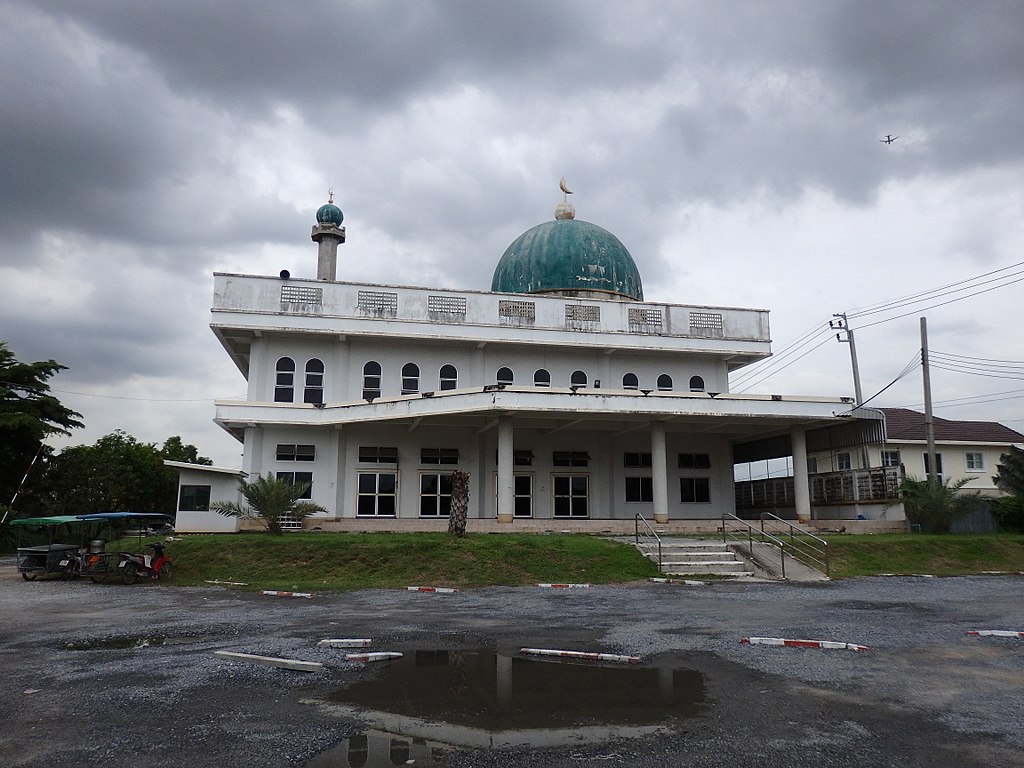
pixel 843 326
pixel 929 423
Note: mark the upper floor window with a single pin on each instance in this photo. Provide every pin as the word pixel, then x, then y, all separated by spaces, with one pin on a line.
pixel 570 458
pixel 371 380
pixel 844 461
pixel 541 378
pixel 578 379
pixel 314 391
pixel 975 461
pixel 938 465
pixel 410 379
pixel 378 454
pixel 630 381
pixel 664 383
pixel 891 458
pixel 696 384
pixel 284 387
pixel 295 452
pixel 812 465
pixel 694 461
pixel 439 456
pixel 505 376
pixel 448 378
pixel 636 459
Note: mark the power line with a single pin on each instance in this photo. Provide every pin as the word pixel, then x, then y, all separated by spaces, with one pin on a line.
pixel 801 357
pixel 922 296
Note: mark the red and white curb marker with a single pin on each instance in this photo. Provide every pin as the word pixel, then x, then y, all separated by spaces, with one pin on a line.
pixel 444 590
pixel 581 655
pixel 376 656
pixel 831 645
pixel 996 633
pixel 564 586
pixel 340 642
pixel 276 593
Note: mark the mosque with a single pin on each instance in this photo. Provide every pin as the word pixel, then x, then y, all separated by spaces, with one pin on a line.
pixel 571 402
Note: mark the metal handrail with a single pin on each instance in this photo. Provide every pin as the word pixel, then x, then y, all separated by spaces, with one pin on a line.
pixel 817 555
pixel 751 530
pixel 648 534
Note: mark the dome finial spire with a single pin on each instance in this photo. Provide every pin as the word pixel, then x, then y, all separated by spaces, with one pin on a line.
pixel 564 210
pixel 330 195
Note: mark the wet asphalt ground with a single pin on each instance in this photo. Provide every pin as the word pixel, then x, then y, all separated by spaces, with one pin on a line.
pixel 925 694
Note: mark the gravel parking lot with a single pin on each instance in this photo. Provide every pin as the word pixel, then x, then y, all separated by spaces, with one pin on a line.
pixel 925 694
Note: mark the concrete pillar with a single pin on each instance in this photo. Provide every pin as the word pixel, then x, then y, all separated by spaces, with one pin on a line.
pixel 659 472
pixel 801 486
pixel 506 478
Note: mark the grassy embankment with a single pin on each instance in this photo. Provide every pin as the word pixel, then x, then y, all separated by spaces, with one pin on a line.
pixel 326 562
pixel 307 562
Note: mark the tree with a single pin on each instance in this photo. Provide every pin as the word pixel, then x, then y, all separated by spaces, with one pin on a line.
pixel 460 503
pixel 174 449
pixel 28 415
pixel 936 506
pixel 1009 475
pixel 117 474
pixel 270 500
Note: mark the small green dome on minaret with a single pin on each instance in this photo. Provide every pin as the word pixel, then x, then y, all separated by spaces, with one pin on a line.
pixel 329 213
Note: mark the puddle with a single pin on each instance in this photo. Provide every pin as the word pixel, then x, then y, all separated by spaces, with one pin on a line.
pixel 377 749
pixel 114 643
pixel 484 699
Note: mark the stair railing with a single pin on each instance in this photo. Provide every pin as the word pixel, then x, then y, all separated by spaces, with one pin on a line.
pixel 809 549
pixel 752 532
pixel 643 528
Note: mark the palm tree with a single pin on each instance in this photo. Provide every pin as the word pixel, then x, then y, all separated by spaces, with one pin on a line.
pixel 936 506
pixel 271 500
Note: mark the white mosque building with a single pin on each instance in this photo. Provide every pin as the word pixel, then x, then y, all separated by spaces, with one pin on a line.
pixel 572 402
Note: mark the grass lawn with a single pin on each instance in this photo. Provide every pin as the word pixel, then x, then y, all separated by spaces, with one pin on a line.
pixel 329 561
pixel 945 555
pixel 335 562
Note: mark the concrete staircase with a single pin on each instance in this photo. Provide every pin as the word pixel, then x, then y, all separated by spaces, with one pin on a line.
pixel 693 557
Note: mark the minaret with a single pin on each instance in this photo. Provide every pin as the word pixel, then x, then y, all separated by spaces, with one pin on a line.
pixel 328 234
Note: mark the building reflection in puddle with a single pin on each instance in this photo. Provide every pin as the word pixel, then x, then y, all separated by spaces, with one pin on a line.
pixel 486 699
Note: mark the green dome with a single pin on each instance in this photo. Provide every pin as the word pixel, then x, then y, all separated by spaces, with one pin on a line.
pixel 329 213
pixel 567 255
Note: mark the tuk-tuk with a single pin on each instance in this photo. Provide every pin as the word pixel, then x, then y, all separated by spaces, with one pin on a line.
pixel 88 557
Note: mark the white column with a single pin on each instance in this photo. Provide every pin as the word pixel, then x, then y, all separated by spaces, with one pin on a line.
pixel 506 479
pixel 801 487
pixel 659 472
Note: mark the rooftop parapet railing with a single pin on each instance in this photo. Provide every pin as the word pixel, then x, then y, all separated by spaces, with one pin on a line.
pixel 268 295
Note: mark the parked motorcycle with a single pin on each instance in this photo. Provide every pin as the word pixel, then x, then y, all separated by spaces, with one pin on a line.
pixel 155 566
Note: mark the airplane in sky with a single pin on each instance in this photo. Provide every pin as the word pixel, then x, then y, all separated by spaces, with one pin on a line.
pixel 889 139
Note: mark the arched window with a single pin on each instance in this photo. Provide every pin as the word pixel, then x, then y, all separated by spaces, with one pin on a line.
pixel 696 384
pixel 314 392
pixel 449 377
pixel 664 383
pixel 541 378
pixel 630 381
pixel 284 387
pixel 505 376
pixel 371 380
pixel 578 379
pixel 410 379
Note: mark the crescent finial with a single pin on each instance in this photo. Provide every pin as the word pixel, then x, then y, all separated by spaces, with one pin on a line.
pixel 561 186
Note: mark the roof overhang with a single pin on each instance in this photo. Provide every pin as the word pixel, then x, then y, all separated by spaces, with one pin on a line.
pixel 739 418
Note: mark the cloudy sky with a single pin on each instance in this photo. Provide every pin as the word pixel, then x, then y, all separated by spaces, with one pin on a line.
pixel 733 147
